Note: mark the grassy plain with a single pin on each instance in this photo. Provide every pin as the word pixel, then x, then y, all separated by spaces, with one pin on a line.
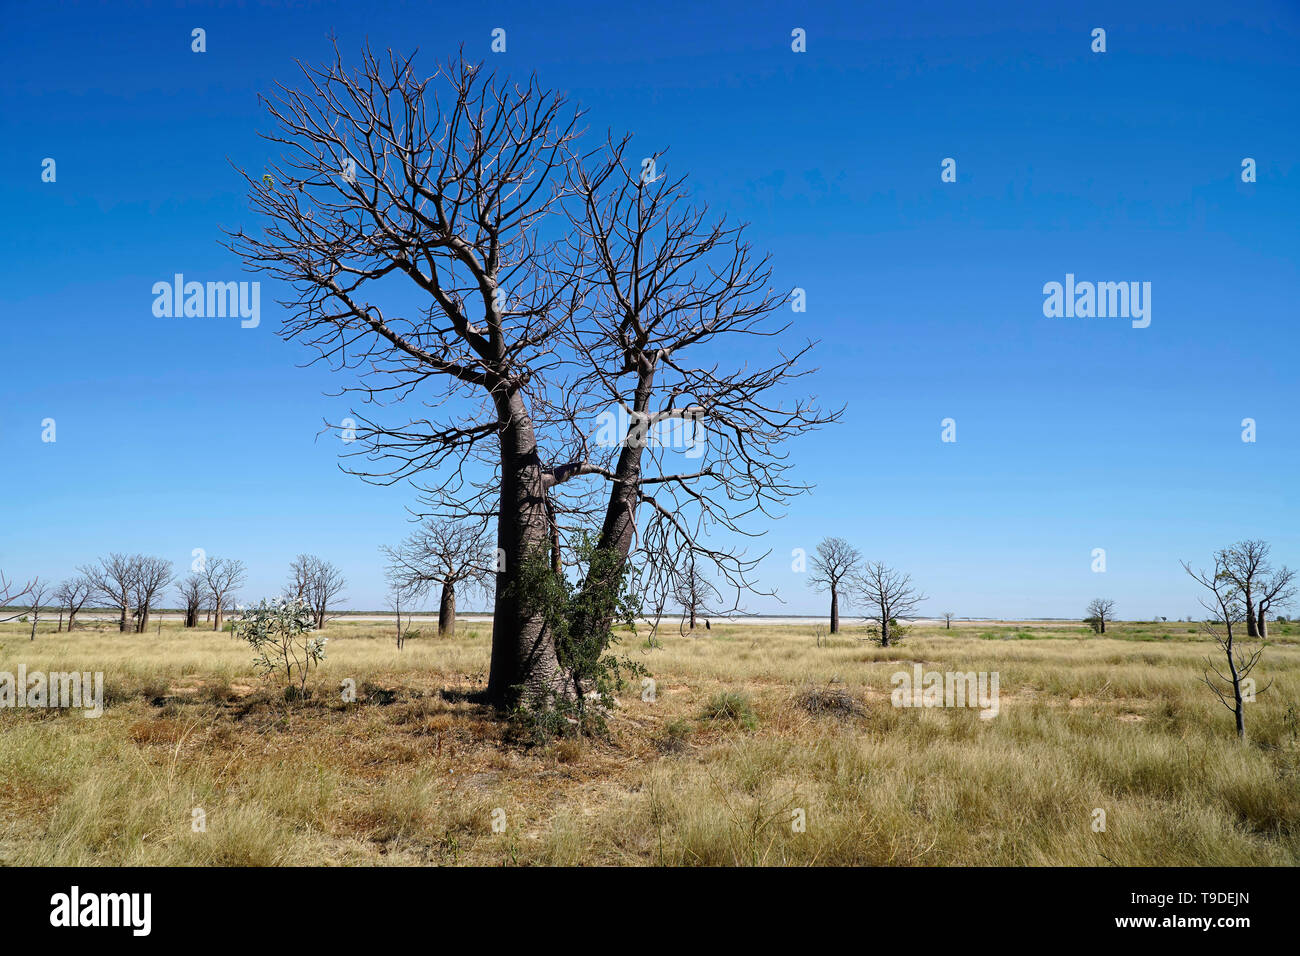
pixel 749 726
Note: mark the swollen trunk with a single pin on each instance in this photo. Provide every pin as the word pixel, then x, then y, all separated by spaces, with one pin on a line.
pixel 447 611
pixel 523 650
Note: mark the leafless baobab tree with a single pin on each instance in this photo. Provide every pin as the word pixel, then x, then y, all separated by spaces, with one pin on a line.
pixel 947 620
pixel 153 576
pixel 325 586
pixel 1100 611
pixel 72 596
pixel 1227 608
pixel 445 555
pixel 37 594
pixel 831 568
pixel 11 593
pixel 888 593
pixel 1245 564
pixel 1276 591
pixel 553 287
pixel 114 579
pixel 693 593
pixel 192 590
pixel 223 577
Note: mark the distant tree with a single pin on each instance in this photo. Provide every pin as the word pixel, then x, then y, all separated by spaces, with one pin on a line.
pixel 317 583
pixel 693 592
pixel 446 555
pixel 1277 590
pixel 831 568
pixel 889 594
pixel 152 577
pixel 11 593
pixel 947 620
pixel 1100 611
pixel 114 579
pixel 72 595
pixel 1226 605
pixel 192 590
pixel 1245 564
pixel 223 576
pixel 36 595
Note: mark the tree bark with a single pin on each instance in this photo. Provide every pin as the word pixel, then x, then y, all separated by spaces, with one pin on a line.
pixel 523 650
pixel 447 610
pixel 1263 624
pixel 1252 629
pixel 884 630
pixel 121 623
pixel 835 611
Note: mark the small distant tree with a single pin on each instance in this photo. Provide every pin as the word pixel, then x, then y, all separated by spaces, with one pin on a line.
pixel 1100 611
pixel 37 595
pixel 832 568
pixel 281 633
pixel 71 596
pixel 446 555
pixel 192 590
pixel 947 620
pixel 115 581
pixel 11 593
pixel 890 595
pixel 223 576
pixel 317 583
pixel 1226 606
pixel 693 592
pixel 152 577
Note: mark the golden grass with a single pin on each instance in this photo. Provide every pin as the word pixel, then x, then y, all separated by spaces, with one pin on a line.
pixel 1119 724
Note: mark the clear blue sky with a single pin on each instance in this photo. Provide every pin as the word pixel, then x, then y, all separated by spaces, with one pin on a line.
pixel 1072 434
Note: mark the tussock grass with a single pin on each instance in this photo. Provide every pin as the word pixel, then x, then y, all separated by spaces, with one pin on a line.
pixel 760 748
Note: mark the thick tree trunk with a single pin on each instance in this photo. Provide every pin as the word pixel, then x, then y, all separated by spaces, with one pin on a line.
pixel 1103 625
pixel 216 616
pixel 72 620
pixel 126 610
pixel 1251 629
pixel 692 618
pixel 1262 627
pixel 835 611
pixel 523 651
pixel 144 619
pixel 447 610
pixel 59 630
pixel 884 630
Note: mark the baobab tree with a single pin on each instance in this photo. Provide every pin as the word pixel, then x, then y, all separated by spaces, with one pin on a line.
pixel 192 590
pixel 555 286
pixel 445 555
pixel 114 579
pixel 1100 610
pixel 72 595
pixel 37 594
pixel 947 620
pixel 888 593
pixel 1226 604
pixel 833 566
pixel 325 584
pixel 693 593
pixel 152 577
pixel 11 593
pixel 1276 591
pixel 223 577
pixel 1246 565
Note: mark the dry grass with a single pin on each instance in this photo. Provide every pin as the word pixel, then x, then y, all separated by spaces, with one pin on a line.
pixel 748 727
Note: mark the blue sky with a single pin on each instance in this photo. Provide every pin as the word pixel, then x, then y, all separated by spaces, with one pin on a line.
pixel 1072 434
